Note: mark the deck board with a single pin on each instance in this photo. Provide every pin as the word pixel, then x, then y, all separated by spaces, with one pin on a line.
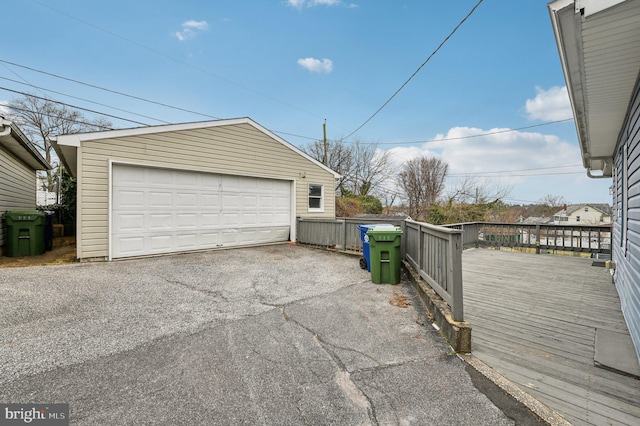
pixel 534 319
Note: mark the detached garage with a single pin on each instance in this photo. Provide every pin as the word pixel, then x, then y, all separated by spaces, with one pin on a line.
pixel 192 186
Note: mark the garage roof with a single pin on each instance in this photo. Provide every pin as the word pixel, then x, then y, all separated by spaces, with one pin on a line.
pixel 66 145
pixel 14 141
pixel 599 46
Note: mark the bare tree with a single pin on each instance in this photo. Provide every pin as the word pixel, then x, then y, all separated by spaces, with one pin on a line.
pixel 363 167
pixel 339 158
pixel 422 181
pixel 371 169
pixel 555 201
pixel 41 119
pixel 472 190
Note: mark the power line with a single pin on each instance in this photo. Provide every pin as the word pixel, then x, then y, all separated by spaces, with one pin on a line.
pixel 108 90
pixel 12 107
pixel 522 175
pixel 179 61
pixel 517 170
pixel 73 106
pixel 83 99
pixel 472 136
pixel 418 70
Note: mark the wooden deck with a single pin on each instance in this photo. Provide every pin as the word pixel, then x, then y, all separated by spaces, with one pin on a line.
pixel 534 320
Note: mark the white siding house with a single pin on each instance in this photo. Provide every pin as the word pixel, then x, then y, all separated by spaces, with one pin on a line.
pixel 191 186
pixel 583 214
pixel 599 46
pixel 19 160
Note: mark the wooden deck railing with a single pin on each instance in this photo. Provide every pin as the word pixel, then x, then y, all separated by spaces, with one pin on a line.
pixel 543 238
pixel 342 234
pixel 436 253
pixel 433 251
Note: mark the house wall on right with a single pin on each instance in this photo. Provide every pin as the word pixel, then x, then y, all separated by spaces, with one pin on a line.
pixel 626 217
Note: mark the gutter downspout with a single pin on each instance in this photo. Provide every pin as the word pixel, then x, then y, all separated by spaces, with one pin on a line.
pixel 7 129
pixel 606 161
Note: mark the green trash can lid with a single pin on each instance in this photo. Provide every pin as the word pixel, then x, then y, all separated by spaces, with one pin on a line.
pixel 23 214
pixel 396 230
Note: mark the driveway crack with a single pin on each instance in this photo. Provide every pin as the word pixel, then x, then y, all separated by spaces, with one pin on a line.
pixel 206 291
pixel 342 377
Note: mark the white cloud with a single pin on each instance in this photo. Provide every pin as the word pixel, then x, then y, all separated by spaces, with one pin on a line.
pixel 299 4
pixel 190 28
pixel 549 105
pixel 324 66
pixel 508 151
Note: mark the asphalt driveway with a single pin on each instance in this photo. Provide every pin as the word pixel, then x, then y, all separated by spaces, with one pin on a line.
pixel 271 335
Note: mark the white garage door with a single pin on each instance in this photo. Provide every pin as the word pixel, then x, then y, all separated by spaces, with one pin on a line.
pixel 158 210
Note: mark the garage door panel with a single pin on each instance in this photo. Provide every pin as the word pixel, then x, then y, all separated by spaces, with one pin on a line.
pixel 156 177
pixel 230 183
pixel 248 219
pixel 266 202
pixel 230 219
pixel 131 175
pixel 208 220
pixel 266 218
pixel 248 184
pixel 129 222
pixel 130 199
pixel 210 200
pixel 157 199
pixel 186 199
pixel 184 178
pixel 249 201
pixel 164 211
pixel 186 220
pixel 160 243
pixel 187 241
pixel 209 181
pixel 282 202
pixel 129 246
pixel 210 239
pixel 158 222
pixel 230 201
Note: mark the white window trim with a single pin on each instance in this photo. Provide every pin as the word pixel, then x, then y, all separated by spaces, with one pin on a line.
pixel 312 209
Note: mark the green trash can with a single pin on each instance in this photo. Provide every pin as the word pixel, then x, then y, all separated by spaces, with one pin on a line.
pixel 386 254
pixel 25 233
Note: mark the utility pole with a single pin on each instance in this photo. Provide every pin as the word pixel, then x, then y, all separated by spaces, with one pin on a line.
pixel 324 131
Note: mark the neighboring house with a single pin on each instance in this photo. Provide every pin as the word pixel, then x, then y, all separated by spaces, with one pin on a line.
pixel 599 46
pixel 191 186
pixel 583 214
pixel 43 196
pixel 19 160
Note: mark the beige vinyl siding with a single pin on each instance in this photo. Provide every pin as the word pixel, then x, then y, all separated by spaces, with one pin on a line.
pixel 237 149
pixel 17 187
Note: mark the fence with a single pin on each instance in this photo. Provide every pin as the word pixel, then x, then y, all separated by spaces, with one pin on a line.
pixel 341 234
pixel 434 251
pixel 547 237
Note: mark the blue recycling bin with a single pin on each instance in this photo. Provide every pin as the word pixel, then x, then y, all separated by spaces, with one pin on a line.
pixel 365 260
pixel 48 230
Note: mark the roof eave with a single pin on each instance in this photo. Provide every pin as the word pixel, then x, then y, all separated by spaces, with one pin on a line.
pixel 597 140
pixel 66 145
pixel 20 146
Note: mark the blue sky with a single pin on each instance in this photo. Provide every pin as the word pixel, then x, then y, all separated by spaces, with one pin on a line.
pixel 291 64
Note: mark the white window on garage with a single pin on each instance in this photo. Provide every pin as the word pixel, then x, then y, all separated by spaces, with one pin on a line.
pixel 316 197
